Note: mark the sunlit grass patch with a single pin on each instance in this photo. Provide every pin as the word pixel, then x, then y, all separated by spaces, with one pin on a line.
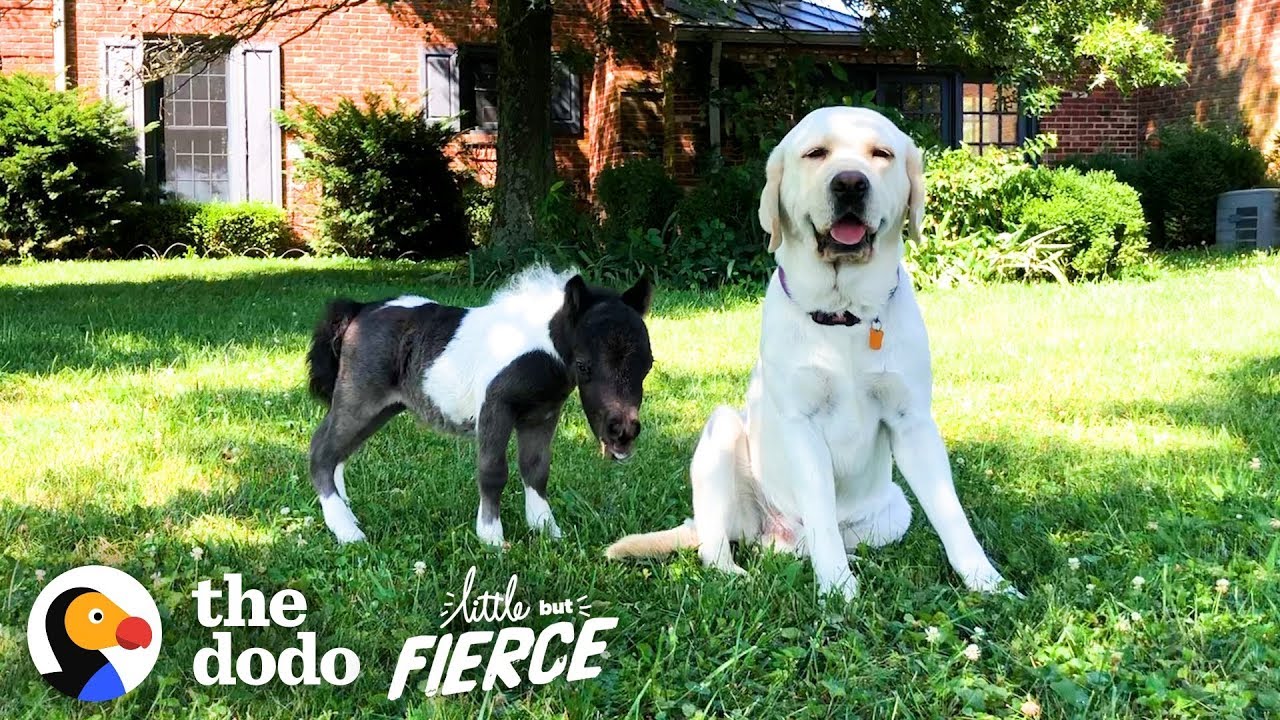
pixel 153 416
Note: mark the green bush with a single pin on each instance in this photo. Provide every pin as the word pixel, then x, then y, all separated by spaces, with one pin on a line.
pixel 636 194
pixel 213 229
pixel 1096 214
pixel 240 229
pixel 477 206
pixel 943 259
pixel 1181 175
pixel 386 186
pixel 159 228
pixel 969 192
pixel 718 234
pixel 67 170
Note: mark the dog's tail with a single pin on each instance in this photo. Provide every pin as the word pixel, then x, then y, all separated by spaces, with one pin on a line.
pixel 326 347
pixel 654 544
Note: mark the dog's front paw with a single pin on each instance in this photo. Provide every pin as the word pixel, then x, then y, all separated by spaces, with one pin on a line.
pixel 985 578
pixel 846 587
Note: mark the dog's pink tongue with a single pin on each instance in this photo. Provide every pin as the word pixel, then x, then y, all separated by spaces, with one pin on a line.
pixel 848 232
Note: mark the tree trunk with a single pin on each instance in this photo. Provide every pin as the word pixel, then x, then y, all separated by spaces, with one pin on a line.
pixel 525 161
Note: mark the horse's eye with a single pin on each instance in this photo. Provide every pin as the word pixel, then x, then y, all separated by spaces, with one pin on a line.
pixel 815 153
pixel 95 616
pixel 584 370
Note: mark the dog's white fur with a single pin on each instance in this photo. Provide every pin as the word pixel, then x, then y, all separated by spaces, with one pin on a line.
pixel 807 467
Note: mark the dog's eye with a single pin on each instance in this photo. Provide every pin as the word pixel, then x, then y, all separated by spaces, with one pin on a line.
pixel 880 152
pixel 816 153
pixel 584 370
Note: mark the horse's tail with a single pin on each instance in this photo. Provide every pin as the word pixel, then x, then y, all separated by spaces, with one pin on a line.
pixel 654 544
pixel 326 347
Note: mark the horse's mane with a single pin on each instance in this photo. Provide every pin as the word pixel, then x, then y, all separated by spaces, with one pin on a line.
pixel 535 284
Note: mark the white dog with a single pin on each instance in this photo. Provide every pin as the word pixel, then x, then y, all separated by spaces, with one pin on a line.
pixel 842 386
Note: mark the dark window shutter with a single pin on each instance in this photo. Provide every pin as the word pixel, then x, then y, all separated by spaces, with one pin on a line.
pixel 440 85
pixel 566 99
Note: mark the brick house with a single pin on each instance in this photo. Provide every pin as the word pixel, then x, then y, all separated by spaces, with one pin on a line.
pixel 634 78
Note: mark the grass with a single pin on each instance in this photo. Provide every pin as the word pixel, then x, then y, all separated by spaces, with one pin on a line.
pixel 147 408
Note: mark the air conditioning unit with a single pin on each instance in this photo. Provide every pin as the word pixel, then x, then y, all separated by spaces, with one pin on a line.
pixel 1249 219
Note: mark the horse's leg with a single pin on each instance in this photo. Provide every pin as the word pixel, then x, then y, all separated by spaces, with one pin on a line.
pixel 349 422
pixel 534 442
pixel 493 431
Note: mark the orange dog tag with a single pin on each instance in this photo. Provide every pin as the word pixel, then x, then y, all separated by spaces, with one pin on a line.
pixel 876 337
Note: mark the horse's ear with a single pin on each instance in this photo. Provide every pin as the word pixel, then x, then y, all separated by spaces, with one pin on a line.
pixel 576 295
pixel 640 295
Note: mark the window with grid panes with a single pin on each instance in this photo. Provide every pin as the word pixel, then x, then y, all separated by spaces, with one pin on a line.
pixel 193 118
pixel 989 116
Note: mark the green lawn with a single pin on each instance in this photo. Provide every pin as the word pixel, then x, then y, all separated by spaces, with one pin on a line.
pixel 147 408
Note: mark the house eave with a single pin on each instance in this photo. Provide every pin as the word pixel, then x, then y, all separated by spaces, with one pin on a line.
pixel 685 33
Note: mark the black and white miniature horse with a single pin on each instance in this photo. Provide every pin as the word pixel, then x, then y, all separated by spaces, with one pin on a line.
pixel 488 371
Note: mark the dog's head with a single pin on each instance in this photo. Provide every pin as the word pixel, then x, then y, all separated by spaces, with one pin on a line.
pixel 842 181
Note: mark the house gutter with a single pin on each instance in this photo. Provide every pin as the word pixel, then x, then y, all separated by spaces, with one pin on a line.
pixel 714 119
pixel 59 44
pixel 771 37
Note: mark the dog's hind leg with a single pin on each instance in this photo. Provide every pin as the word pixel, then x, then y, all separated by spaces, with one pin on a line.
pixel 534 443
pixel 344 429
pixel 723 506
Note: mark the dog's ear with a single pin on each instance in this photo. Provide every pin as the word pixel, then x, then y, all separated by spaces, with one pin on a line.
pixel 640 295
pixel 915 205
pixel 771 199
pixel 576 296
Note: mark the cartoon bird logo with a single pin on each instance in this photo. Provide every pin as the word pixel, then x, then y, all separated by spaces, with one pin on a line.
pixel 94 649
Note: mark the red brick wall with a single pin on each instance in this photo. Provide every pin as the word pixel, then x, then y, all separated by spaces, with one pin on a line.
pixel 1233 48
pixel 26 36
pixel 1093 122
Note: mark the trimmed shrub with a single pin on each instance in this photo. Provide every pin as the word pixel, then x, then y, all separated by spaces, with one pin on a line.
pixel 1098 216
pixel 241 228
pixel 213 229
pixel 636 194
pixel 67 170
pixel 1180 177
pixel 157 227
pixel 387 189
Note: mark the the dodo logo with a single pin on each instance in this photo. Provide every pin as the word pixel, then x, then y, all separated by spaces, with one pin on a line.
pixel 94 633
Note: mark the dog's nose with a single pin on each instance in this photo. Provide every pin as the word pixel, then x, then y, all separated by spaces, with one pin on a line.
pixel 850 185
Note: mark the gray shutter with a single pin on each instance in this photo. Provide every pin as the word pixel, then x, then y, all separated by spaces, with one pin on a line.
pixel 440 85
pixel 566 99
pixel 121 82
pixel 254 145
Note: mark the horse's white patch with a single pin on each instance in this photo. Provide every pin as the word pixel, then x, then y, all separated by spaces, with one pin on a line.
pixel 340 519
pixel 490 533
pixel 340 481
pixel 408 301
pixel 538 514
pixel 515 322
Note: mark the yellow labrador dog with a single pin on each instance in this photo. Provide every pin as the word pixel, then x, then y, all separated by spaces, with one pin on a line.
pixel 842 387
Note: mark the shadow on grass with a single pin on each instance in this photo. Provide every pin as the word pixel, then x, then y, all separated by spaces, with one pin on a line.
pixel 153 321
pixel 1243 399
